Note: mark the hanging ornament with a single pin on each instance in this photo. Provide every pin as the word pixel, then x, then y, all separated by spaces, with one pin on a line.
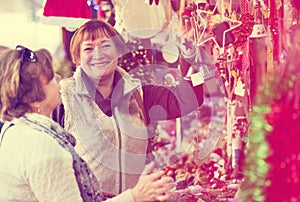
pixel 242 33
pixel 170 52
pixel 175 5
pixel 259 29
pixel 274 27
pixel 171 78
pixel 142 20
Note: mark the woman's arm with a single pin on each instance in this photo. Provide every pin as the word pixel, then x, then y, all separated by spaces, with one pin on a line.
pixel 54 180
pixel 163 103
pixel 46 167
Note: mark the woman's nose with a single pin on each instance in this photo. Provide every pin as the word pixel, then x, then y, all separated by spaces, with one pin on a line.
pixel 97 52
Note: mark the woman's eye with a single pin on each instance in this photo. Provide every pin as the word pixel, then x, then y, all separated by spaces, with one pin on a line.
pixel 105 45
pixel 88 49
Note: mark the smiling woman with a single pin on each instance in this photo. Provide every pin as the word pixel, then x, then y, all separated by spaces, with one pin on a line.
pixel 108 111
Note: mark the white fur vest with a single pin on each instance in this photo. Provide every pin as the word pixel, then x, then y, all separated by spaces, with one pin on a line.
pixel 114 147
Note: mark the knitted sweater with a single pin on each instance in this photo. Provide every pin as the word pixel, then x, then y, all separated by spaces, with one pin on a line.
pixel 29 165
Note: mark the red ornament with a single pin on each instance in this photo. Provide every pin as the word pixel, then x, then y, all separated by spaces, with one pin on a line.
pixel 242 33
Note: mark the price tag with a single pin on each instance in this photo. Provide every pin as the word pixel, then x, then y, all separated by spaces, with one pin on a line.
pixel 239 89
pixel 197 79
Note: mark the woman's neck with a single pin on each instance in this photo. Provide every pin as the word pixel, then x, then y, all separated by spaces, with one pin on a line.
pixel 105 86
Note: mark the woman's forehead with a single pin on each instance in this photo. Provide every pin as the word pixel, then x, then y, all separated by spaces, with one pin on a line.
pixel 97 41
pixel 94 34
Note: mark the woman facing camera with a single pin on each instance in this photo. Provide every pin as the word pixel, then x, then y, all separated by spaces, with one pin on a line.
pixel 37 157
pixel 108 111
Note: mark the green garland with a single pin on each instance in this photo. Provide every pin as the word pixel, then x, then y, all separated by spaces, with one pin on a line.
pixel 256 168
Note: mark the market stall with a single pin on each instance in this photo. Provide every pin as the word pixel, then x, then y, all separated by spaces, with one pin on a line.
pixel 237 45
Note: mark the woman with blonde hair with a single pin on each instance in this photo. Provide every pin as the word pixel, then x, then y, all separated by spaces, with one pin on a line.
pixel 37 157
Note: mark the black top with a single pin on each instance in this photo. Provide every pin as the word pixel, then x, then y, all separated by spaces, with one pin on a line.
pixel 1 125
pixel 176 101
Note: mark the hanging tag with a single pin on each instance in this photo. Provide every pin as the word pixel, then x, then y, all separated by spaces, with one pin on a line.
pixel 239 89
pixel 197 79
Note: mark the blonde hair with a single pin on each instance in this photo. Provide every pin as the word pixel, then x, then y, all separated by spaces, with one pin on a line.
pixel 20 81
pixel 92 30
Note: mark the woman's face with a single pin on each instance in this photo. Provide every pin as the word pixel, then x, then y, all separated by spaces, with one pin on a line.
pixel 53 95
pixel 99 58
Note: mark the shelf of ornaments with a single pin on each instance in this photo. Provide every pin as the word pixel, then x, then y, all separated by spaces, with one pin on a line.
pixel 199 164
pixel 208 179
pixel 186 148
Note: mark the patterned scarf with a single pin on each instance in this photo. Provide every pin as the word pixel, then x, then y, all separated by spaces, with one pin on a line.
pixel 86 180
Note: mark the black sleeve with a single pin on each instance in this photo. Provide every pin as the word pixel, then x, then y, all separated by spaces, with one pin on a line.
pixel 1 125
pixel 164 103
pixel 58 115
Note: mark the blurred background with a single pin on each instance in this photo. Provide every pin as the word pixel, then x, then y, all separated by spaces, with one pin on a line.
pixel 20 24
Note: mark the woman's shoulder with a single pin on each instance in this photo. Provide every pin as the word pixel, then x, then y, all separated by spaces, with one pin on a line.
pixel 21 137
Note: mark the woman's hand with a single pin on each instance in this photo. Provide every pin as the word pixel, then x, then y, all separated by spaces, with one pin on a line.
pixel 153 187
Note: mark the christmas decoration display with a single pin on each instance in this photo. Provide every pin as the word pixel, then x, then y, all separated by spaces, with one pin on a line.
pixel 272 168
pixel 192 164
pixel 241 133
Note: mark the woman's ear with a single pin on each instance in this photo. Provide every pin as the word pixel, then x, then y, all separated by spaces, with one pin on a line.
pixel 35 106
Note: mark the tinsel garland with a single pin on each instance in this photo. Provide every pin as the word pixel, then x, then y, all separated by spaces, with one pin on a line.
pixel 274 28
pixel 255 167
pixel 243 32
pixel 273 155
pixel 283 140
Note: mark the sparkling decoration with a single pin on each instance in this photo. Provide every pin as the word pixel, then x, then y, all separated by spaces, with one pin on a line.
pixel 288 14
pixel 243 32
pixel 134 59
pixel 245 47
pixel 272 161
pixel 274 28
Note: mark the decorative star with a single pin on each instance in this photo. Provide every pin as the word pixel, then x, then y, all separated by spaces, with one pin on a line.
pixel 188 44
pixel 235 24
pixel 204 22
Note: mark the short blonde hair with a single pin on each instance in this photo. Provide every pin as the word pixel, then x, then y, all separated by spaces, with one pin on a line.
pixel 92 30
pixel 20 81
